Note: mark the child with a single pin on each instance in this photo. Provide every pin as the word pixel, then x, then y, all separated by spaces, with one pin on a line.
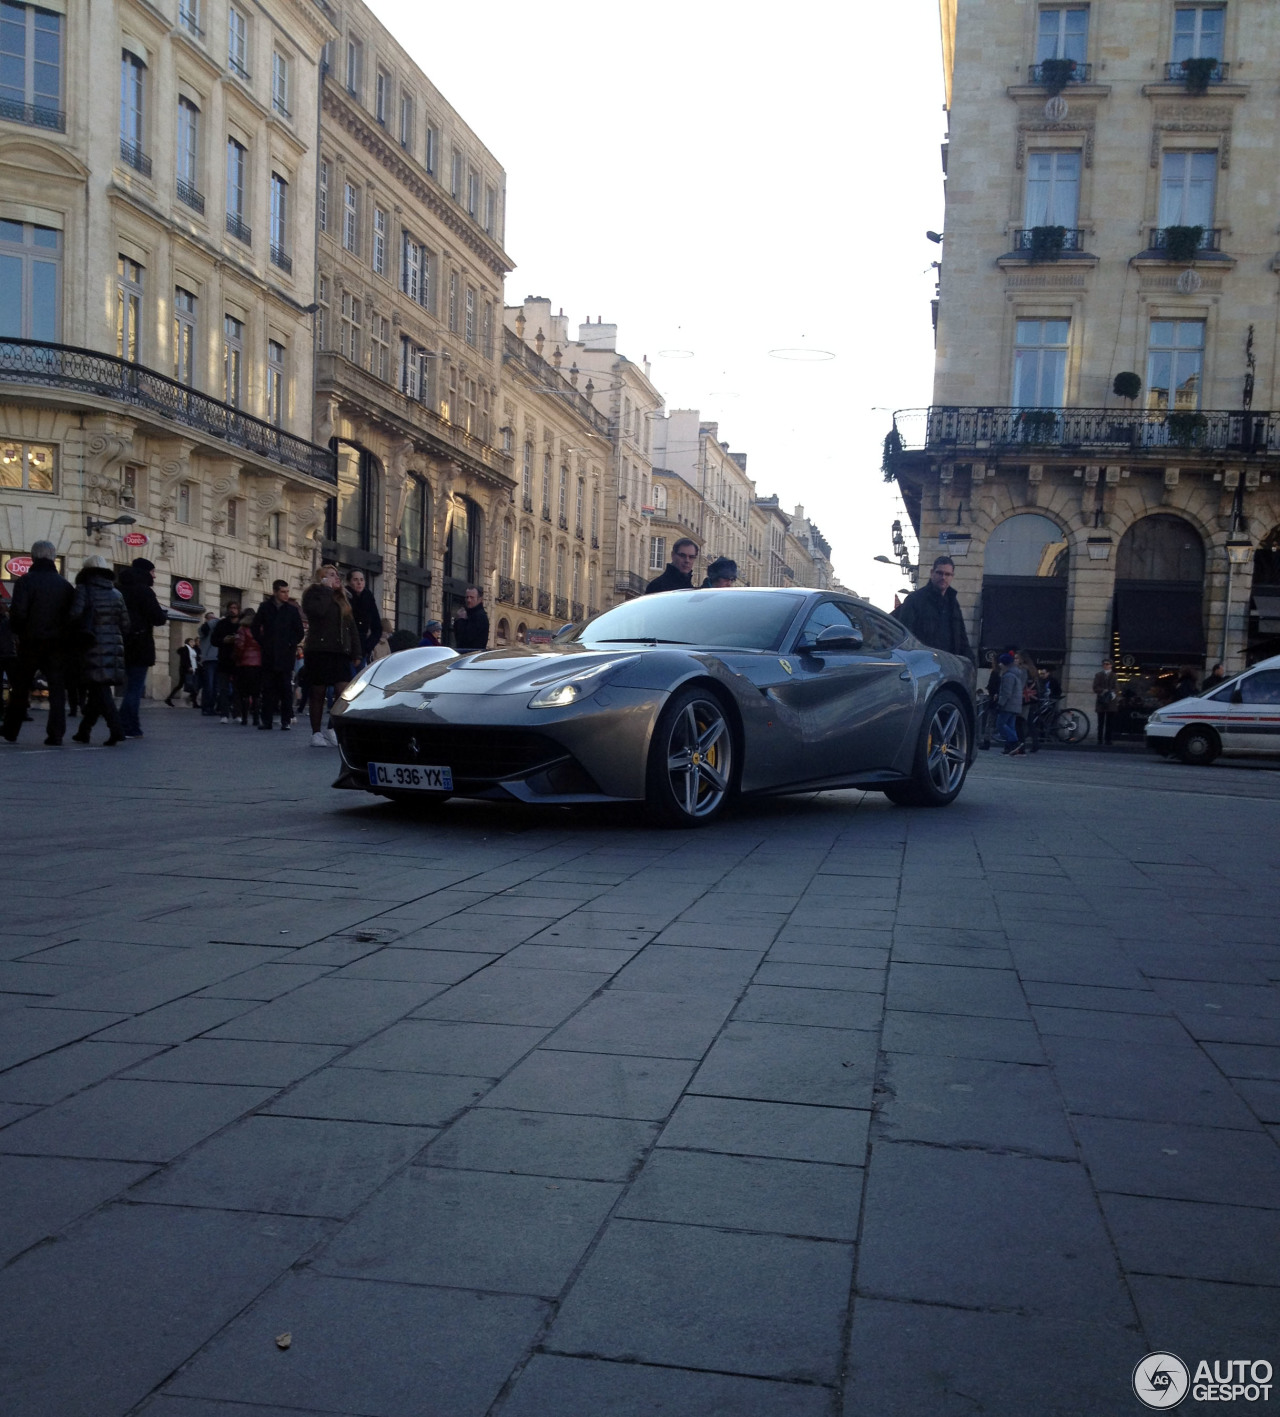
pixel 1008 706
pixel 248 672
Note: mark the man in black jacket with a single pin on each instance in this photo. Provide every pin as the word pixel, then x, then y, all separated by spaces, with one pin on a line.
pixel 471 627
pixel 932 613
pixel 278 629
pixel 41 601
pixel 145 613
pixel 679 572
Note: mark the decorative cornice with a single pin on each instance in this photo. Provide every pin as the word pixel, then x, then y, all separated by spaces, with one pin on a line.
pixel 374 141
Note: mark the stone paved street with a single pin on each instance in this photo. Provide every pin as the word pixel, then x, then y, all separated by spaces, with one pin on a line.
pixel 833 1110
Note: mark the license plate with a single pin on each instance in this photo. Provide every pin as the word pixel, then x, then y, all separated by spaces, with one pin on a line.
pixel 411 779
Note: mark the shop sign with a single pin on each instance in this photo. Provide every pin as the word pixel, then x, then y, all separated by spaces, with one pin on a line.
pixel 135 538
pixel 17 566
pixel 184 590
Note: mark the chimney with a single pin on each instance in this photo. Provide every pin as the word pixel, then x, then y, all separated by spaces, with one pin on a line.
pixel 598 336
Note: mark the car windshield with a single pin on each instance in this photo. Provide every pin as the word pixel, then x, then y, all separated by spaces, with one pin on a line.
pixel 740 619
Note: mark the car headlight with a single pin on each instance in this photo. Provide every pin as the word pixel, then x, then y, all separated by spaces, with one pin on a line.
pixel 575 687
pixel 358 685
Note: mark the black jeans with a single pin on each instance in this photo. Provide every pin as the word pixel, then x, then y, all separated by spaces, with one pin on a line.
pixel 277 695
pixel 100 702
pixel 48 660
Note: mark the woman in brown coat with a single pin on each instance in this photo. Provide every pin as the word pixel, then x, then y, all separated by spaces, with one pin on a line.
pixel 331 646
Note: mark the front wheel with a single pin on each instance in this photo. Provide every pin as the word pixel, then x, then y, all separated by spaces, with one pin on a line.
pixel 1071 726
pixel 942 757
pixel 690 776
pixel 1197 745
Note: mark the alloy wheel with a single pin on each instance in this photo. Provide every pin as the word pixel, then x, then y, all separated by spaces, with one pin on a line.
pixel 700 758
pixel 947 753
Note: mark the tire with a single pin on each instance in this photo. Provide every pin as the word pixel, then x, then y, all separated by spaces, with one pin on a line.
pixel 1198 745
pixel 690 777
pixel 1071 726
pixel 942 757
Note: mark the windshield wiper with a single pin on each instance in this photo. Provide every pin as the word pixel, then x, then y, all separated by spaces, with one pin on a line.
pixel 644 640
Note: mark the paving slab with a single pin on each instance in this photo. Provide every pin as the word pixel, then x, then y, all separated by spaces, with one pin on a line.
pixel 343 1331
pixel 945 989
pixel 532 997
pixel 363 1095
pixel 817 1008
pixel 685 1296
pixel 593 1084
pixel 776 1063
pixel 1194 1240
pixel 68 1070
pixel 790 1130
pixel 667 1025
pixel 176 1022
pixel 330 1011
pixel 41 1195
pixel 235 1061
pixel 446 1046
pixel 544 1144
pixel 28 1032
pixel 472 1230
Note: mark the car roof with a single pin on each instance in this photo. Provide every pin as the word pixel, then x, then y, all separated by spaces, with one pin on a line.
pixel 1272 663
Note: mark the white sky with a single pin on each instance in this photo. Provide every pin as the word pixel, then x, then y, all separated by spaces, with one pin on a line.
pixel 727 181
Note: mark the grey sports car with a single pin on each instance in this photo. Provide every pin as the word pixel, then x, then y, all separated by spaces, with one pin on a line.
pixel 680 701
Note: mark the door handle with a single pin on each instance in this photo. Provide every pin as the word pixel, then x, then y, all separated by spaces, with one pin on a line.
pixel 906 674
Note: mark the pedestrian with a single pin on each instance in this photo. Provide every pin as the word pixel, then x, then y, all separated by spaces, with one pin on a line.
pixel 932 612
pixel 1008 706
pixel 1217 675
pixel 1030 691
pixel 1050 687
pixel 8 650
pixel 185 682
pixel 208 665
pixel 721 574
pixel 332 645
pixel 679 572
pixel 101 619
pixel 400 640
pixel 364 609
pixel 248 672
pixel 279 630
pixel 431 634
pixel 40 620
pixel 145 613
pixel 1106 699
pixel 471 624
pixel 223 640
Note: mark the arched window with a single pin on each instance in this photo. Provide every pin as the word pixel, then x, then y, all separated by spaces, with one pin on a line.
pixel 544 564
pixel 1024 588
pixel 353 518
pixel 462 559
pixel 413 555
pixel 504 631
pixel 508 534
pixel 1161 547
pixel 526 554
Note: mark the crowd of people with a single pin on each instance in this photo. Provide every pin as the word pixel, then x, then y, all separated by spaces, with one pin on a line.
pixel 245 666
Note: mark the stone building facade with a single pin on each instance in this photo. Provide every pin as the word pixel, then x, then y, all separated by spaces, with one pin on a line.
pixel 691 448
pixel 157 201
pixel 409 333
pixel 1101 456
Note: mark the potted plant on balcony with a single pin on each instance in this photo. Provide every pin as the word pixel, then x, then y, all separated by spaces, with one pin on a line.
pixel 1127 386
pixel 1056 74
pixel 892 447
pixel 1199 73
pixel 1182 242
pixel 1037 425
pixel 1187 430
pixel 1047 242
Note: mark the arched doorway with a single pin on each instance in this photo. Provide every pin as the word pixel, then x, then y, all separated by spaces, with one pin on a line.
pixel 1264 605
pixel 462 557
pixel 1024 588
pixel 413 554
pixel 1157 623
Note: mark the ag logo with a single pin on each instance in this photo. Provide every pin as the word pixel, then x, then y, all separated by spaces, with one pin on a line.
pixel 786 664
pixel 1161 1380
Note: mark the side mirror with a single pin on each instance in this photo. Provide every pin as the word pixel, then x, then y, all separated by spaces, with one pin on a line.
pixel 836 637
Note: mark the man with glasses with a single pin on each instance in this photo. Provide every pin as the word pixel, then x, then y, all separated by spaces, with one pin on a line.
pixel 679 572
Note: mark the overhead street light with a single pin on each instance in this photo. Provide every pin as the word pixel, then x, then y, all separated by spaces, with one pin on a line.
pixel 94 525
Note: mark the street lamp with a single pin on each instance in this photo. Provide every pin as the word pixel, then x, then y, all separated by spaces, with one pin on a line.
pixel 1098 547
pixel 94 525
pixel 1239 553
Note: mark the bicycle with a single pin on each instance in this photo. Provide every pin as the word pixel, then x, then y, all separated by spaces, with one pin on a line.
pixel 1047 720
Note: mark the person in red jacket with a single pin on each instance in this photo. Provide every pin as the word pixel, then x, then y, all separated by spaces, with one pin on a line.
pixel 248 671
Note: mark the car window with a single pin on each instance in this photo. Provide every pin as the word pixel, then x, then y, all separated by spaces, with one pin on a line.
pixel 823 616
pixel 740 619
pixel 879 632
pixel 1223 696
pixel 1261 688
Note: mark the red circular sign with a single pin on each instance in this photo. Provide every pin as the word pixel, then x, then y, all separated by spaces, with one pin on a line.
pixel 184 590
pixel 18 566
pixel 135 538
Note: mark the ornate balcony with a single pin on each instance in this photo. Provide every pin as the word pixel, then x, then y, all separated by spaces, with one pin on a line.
pixel 957 431
pixel 506 590
pixel 1179 72
pixel 1047 243
pixel 135 157
pixel 281 260
pixel 525 597
pixel 35 115
pixel 1166 239
pixel 562 607
pixel 237 228
pixel 546 514
pixel 575 611
pixel 629 583
pixel 1075 74
pixel 527 503
pixel 578 533
pixel 563 522
pixel 188 194
pixel 85 372
pixel 544 602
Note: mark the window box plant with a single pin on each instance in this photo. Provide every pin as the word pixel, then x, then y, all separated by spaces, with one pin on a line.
pixel 1187 430
pixel 1047 242
pixel 1056 74
pixel 1199 74
pixel 1038 425
pixel 1127 386
pixel 1182 242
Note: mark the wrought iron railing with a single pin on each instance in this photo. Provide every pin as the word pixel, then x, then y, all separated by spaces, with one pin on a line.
pixel 1078 74
pixel 592 612
pixel 61 366
pixel 188 194
pixel 1159 238
pixel 237 228
pixel 546 514
pixel 526 597
pixel 1047 247
pixel 575 611
pixel 562 607
pixel 135 157
pixel 36 115
pixel 578 533
pixel 281 259
pixel 238 69
pixel 544 602
pixel 563 522
pixel 630 583
pixel 527 503
pixel 945 429
pixel 595 542
pixel 506 589
pixel 551 380
pixel 1176 73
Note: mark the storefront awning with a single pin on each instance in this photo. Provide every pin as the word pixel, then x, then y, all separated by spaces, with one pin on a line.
pixel 1160 620
pixel 1027 611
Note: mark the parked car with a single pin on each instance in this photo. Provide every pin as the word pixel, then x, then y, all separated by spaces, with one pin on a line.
pixel 680 701
pixel 1240 718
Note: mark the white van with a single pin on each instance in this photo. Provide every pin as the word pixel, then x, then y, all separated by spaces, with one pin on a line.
pixel 1241 718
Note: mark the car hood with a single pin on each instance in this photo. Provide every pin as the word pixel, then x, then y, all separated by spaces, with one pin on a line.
pixel 501 671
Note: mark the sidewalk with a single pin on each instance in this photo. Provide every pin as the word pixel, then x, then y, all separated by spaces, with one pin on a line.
pixel 833 1110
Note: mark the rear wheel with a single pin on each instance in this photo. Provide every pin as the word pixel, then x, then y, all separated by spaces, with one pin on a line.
pixel 1071 726
pixel 942 757
pixel 1197 745
pixel 690 776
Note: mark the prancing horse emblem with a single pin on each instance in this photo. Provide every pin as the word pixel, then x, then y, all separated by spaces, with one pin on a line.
pixel 413 748
pixel 786 664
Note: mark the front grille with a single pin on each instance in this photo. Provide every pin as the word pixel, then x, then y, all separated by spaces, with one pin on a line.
pixel 474 754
